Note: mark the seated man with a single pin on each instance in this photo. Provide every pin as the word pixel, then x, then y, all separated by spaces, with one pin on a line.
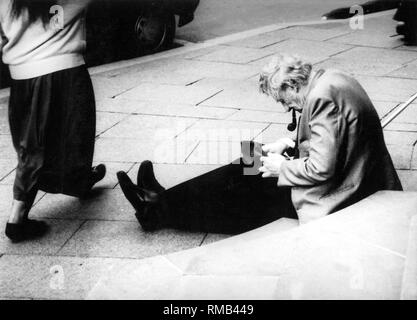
pixel 338 158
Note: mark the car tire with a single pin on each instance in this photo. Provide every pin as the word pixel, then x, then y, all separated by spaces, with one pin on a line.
pixel 153 31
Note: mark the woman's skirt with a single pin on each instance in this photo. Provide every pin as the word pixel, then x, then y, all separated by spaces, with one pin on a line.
pixel 53 121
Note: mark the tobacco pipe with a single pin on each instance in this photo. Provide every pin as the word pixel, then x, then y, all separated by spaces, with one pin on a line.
pixel 293 125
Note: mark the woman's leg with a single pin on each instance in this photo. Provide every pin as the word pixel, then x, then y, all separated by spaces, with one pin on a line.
pixel 70 134
pixel 26 126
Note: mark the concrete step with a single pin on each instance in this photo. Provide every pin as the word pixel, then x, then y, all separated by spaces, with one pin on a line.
pixel 357 253
pixel 409 285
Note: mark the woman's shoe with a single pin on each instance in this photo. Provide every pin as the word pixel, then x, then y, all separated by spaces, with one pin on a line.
pixel 28 230
pixel 97 174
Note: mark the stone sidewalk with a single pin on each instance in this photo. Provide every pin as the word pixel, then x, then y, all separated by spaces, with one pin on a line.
pixel 172 110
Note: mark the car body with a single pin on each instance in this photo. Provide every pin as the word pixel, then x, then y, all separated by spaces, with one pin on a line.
pixel 123 29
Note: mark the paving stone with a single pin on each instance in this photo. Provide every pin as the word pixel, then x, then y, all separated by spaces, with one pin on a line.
pixel 151 128
pixel 163 109
pixel 106 120
pixel 249 99
pixel 408 179
pixel 377 56
pixel 212 69
pixel 9 179
pixel 409 115
pixel 399 137
pixel 313 33
pixel 6 167
pixel 138 150
pixel 369 38
pixel 6 147
pixel 4 121
pixel 384 108
pixel 174 151
pixel 202 52
pixel 6 196
pixel 379 25
pixel 215 153
pixel 409 71
pixel 414 159
pixel 48 277
pixel 59 233
pixel 108 88
pixel 214 238
pixel 121 150
pixel 259 116
pixel 109 205
pixel 250 84
pixel 168 63
pixel 225 130
pixel 235 55
pixel 409 48
pixel 359 67
pixel 400 126
pixel 124 239
pixel 401 156
pixel 275 132
pixel 158 75
pixel 313 59
pixel 388 89
pixel 122 282
pixel 259 41
pixel 169 93
pixel 159 150
pixel 312 51
pixel 183 172
pixel 115 83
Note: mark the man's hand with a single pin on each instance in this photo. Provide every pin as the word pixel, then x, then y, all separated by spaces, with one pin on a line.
pixel 271 165
pixel 279 147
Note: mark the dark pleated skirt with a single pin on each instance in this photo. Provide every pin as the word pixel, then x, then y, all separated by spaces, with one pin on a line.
pixel 52 122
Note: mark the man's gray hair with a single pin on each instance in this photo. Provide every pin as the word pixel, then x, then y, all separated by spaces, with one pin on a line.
pixel 282 72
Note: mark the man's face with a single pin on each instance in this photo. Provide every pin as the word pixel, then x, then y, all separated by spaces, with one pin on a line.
pixel 291 99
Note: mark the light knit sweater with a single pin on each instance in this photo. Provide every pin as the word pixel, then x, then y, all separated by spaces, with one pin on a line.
pixel 34 49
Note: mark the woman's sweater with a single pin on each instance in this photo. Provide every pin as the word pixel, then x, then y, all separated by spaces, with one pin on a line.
pixel 35 49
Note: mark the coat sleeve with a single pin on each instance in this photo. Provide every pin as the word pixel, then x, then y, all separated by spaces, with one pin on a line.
pixel 72 9
pixel 2 38
pixel 327 127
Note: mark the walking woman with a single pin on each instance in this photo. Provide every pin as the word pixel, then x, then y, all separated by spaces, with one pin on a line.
pixel 51 108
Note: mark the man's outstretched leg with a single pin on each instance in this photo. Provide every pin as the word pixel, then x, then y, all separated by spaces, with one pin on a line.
pixel 224 200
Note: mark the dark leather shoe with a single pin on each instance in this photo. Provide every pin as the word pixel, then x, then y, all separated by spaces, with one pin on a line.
pixel 143 201
pixel 98 173
pixel 146 178
pixel 28 230
pixel 131 191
